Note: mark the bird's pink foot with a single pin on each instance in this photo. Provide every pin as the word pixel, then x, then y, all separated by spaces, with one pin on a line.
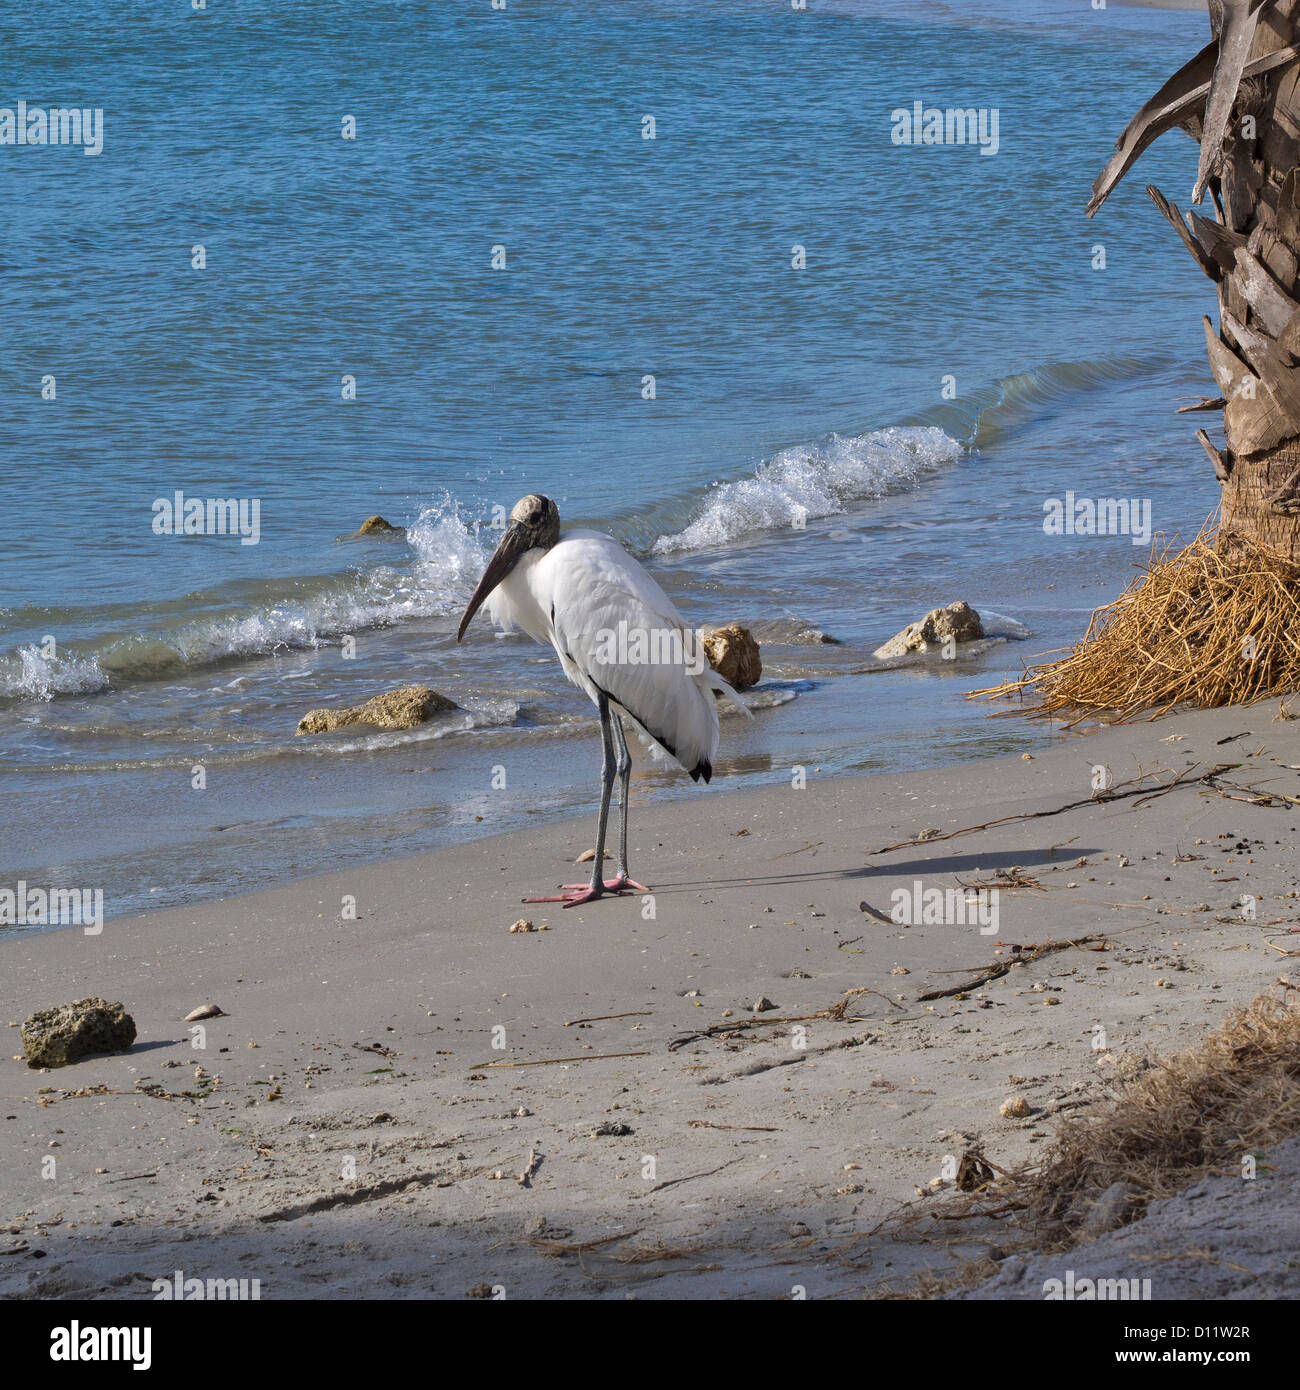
pixel 571 895
pixel 622 882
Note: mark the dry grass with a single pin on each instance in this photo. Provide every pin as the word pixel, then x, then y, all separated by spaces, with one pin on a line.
pixel 1211 624
pixel 1167 1123
pixel 928 1285
pixel 1176 1120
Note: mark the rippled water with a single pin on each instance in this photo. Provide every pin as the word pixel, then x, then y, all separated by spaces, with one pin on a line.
pixel 799 467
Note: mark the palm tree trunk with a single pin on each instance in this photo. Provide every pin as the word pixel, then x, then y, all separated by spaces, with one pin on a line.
pixel 1240 99
pixel 1252 501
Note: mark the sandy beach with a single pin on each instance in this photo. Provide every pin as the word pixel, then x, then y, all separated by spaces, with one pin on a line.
pixel 358 1123
pixel 785 383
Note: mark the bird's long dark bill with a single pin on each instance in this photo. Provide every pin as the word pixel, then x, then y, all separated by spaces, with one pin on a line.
pixel 504 558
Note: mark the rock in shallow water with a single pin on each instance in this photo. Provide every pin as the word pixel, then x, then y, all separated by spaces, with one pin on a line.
pixel 394 709
pixel 958 622
pixel 374 526
pixel 85 1028
pixel 733 654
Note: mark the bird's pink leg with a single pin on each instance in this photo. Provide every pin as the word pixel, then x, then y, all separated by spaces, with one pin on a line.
pixel 621 880
pixel 573 894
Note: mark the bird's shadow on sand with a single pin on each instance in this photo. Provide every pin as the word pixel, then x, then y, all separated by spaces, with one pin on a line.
pixel 949 864
pixel 963 863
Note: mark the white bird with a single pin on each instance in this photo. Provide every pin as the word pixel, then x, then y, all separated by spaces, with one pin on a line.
pixel 620 638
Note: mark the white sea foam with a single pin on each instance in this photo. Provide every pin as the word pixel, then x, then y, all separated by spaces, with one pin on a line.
pixel 815 480
pixel 295 614
pixel 797 485
pixel 29 673
pixel 451 555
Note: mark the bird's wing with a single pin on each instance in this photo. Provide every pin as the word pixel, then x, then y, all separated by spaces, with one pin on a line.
pixel 617 631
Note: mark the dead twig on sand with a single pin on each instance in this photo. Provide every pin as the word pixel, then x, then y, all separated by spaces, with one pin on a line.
pixel 1120 792
pixel 1004 880
pixel 1254 796
pixel 1020 955
pixel 604 1018
pixel 690 1177
pixel 634 1255
pixel 978 1212
pixel 556 1061
pixel 837 1013
pixel 803 849
pixel 756 1129
pixel 563 1247
pixel 525 1179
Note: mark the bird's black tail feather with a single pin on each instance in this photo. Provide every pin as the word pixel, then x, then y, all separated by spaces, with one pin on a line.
pixel 702 769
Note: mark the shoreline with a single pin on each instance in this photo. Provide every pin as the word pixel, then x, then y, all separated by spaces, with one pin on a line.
pixel 366 1047
pixel 103 786
pixel 652 787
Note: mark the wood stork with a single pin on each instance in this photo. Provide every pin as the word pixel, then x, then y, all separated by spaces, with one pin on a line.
pixel 620 638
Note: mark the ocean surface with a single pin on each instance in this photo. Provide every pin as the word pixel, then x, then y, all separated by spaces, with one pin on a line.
pixel 836 445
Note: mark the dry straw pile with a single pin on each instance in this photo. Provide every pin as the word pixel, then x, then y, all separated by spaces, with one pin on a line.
pixel 1212 624
pixel 1176 1120
pixel 1164 1124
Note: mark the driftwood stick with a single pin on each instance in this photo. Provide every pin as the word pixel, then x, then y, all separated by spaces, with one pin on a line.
pixel 756 1129
pixel 603 1018
pixel 560 1247
pixel 837 1013
pixel 967 1215
pixel 690 1177
pixel 1117 793
pixel 995 972
pixel 555 1061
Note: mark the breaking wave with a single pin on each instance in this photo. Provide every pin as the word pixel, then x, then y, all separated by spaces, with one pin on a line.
pixel 809 481
pixel 444 553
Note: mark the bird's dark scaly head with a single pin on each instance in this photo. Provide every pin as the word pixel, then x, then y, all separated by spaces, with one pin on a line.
pixel 540 519
pixel 534 525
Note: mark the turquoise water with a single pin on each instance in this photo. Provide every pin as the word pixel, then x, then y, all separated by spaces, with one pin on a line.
pixel 798 464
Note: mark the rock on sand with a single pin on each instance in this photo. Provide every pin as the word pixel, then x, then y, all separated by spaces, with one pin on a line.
pixel 66 1033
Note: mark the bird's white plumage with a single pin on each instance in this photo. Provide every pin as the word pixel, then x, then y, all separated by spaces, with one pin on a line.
pixel 586 587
